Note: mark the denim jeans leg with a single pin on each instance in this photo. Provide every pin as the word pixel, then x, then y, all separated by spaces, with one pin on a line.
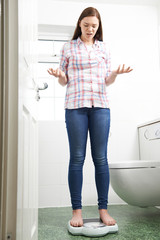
pixel 99 125
pixel 77 129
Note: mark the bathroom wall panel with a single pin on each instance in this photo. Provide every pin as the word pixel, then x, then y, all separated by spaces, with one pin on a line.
pixel 53 167
pixel 133 97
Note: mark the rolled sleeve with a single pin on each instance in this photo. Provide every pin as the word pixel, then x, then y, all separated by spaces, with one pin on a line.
pixel 108 60
pixel 63 65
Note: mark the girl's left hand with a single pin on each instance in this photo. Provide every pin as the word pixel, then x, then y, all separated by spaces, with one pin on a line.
pixel 122 70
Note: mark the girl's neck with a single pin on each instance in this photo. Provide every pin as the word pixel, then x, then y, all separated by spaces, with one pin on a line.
pixel 90 43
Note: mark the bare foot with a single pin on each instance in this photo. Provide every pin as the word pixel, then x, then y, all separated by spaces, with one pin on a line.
pixel 106 218
pixel 77 220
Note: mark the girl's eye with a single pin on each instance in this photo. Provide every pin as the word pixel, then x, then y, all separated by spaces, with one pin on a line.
pixel 92 26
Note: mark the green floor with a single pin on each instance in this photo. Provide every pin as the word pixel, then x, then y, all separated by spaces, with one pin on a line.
pixel 134 223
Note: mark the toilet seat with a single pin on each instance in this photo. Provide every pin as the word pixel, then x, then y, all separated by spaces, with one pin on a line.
pixel 134 164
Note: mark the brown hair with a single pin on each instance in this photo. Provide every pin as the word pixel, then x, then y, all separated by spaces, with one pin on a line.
pixel 90 11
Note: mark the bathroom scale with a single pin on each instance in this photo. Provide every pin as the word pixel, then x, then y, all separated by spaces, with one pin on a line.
pixel 93 227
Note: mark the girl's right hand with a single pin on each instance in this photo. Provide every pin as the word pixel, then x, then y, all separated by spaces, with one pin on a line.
pixel 56 73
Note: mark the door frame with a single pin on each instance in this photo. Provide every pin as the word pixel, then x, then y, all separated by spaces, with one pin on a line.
pixel 9 118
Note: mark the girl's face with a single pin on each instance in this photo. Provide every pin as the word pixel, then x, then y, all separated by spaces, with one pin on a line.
pixel 89 26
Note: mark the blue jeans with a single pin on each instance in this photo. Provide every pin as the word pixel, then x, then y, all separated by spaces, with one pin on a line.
pixel 78 123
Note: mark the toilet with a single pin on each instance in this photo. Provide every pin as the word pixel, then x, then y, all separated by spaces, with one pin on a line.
pixel 137 182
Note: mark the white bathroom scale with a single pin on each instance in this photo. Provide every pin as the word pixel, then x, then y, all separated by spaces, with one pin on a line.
pixel 93 227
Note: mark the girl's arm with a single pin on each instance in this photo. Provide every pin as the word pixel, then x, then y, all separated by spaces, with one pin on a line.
pixel 62 78
pixel 112 77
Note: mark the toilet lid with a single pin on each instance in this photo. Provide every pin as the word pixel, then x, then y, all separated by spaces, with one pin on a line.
pixel 134 164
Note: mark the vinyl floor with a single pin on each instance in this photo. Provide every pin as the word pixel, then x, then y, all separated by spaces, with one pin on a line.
pixel 134 223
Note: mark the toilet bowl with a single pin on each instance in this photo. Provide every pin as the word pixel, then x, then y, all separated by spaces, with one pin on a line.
pixel 136 182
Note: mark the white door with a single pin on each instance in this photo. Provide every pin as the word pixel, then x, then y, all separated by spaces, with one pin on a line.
pixel 27 202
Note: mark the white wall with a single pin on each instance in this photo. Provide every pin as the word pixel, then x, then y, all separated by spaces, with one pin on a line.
pixel 132 33
pixel 53 168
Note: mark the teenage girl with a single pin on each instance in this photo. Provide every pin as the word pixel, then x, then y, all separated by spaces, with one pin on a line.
pixel 85 67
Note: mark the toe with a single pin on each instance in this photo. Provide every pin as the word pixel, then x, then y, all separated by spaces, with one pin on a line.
pixel 72 224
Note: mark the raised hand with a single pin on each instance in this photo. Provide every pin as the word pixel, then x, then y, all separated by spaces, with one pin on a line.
pixel 122 70
pixel 56 73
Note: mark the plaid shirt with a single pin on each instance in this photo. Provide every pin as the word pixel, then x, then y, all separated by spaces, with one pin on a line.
pixel 86 71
